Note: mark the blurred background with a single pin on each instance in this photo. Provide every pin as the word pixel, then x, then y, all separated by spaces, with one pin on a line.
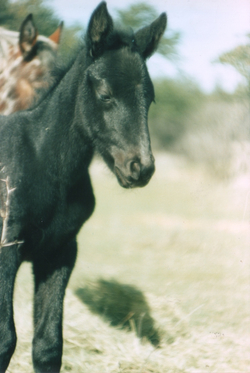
pixel 169 262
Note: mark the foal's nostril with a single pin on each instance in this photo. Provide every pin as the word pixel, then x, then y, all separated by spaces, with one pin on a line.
pixel 135 169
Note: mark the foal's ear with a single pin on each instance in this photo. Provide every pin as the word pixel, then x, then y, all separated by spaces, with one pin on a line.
pixel 99 28
pixel 28 35
pixel 147 38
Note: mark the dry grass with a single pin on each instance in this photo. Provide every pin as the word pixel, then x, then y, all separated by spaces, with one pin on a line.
pixel 183 243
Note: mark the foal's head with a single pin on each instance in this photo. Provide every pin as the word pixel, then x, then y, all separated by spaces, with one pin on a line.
pixel 26 60
pixel 120 94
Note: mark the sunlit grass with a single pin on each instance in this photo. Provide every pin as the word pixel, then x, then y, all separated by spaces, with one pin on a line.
pixel 183 241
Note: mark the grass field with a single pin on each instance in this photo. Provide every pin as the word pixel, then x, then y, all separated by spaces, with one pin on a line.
pixel 182 246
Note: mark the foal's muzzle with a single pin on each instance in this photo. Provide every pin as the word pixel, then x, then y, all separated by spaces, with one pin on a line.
pixel 134 172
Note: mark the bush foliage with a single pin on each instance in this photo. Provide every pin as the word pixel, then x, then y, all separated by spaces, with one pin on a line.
pixel 175 101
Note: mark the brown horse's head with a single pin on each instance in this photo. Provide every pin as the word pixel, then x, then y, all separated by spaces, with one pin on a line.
pixel 26 60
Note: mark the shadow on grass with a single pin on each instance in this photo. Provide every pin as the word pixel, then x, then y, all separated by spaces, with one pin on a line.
pixel 121 305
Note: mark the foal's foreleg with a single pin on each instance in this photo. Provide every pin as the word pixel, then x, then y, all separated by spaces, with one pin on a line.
pixel 51 277
pixel 9 263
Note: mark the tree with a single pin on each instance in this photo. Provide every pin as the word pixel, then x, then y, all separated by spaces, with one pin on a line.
pixel 141 14
pixel 4 12
pixel 239 58
pixel 176 100
pixel 15 12
pixel 12 14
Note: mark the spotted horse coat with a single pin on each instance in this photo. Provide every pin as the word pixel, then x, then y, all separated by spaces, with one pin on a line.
pixel 26 60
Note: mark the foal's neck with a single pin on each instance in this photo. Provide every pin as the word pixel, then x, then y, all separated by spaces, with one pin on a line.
pixel 60 107
pixel 60 120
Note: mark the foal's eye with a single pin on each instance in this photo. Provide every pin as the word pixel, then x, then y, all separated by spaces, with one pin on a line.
pixel 105 98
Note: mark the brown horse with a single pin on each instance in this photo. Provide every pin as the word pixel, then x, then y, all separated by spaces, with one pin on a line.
pixel 26 60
